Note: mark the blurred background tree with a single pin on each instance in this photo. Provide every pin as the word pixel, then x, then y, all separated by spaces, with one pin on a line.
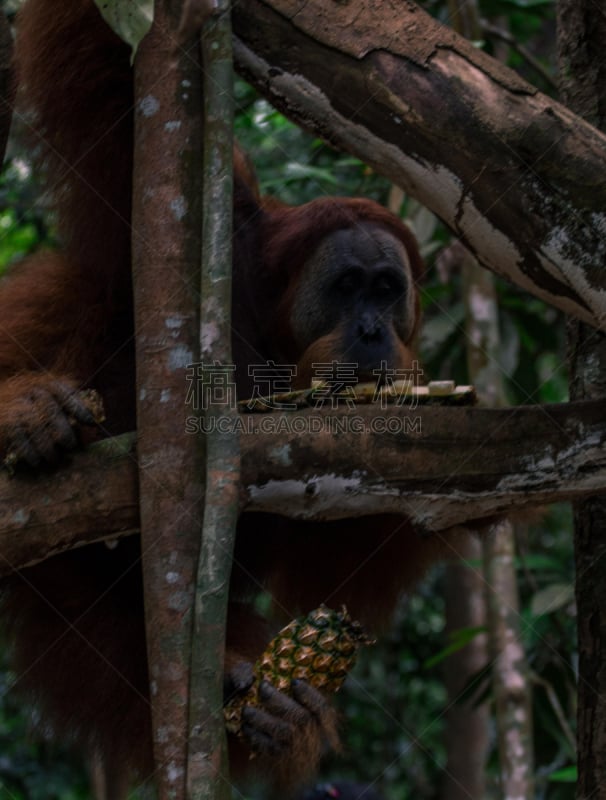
pixel 395 702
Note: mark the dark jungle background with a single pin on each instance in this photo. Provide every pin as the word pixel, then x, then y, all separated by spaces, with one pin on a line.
pixel 395 702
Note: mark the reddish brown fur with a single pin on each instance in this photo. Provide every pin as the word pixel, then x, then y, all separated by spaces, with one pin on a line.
pixel 77 620
pixel 76 78
pixel 294 231
pixel 328 348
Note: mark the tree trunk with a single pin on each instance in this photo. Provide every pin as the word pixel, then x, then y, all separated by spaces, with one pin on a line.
pixel 510 670
pixel 511 687
pixel 166 273
pixel 467 736
pixel 581 37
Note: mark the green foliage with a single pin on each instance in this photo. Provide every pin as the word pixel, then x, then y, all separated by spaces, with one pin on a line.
pixel 566 775
pixel 16 239
pixel 548 616
pixel 532 335
pixel 22 220
pixel 293 165
pixel 394 704
pixel 457 640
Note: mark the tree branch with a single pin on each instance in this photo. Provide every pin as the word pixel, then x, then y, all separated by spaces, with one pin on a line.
pixel 95 498
pixel 453 465
pixel 515 175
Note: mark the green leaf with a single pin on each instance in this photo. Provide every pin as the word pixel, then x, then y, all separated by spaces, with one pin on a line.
pixel 459 639
pixel 130 19
pixel 439 328
pixel 538 562
pixel 551 598
pixel 565 775
pixel 423 224
pixel 294 172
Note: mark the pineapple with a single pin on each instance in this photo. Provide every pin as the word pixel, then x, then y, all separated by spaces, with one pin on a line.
pixel 320 648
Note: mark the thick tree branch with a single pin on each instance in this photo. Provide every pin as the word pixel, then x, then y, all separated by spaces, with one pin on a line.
pixel 447 466
pixel 517 177
pixel 94 498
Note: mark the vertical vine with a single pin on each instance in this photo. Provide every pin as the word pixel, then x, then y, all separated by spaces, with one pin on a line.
pixel 207 762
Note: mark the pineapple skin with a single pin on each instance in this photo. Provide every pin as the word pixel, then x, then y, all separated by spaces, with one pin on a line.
pixel 320 649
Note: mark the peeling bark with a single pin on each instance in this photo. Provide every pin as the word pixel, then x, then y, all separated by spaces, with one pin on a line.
pixel 515 175
pixel 457 465
pixel 443 466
